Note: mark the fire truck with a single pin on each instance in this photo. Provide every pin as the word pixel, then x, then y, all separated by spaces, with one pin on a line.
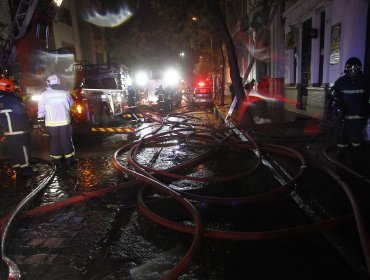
pixel 26 26
pixel 101 93
pixel 99 90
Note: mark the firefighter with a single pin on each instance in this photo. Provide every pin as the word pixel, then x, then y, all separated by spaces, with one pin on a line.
pixel 54 106
pixel 131 100
pixel 160 92
pixel 350 103
pixel 168 97
pixel 16 128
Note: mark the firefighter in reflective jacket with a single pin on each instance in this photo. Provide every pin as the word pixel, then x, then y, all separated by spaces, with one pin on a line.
pixel 351 101
pixel 16 128
pixel 54 105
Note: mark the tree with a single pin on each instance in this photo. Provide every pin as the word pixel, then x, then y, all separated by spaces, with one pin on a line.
pixel 219 21
pixel 183 24
pixel 188 24
pixel 177 29
pixel 136 43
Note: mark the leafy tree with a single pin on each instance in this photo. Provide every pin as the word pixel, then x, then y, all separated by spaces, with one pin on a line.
pixel 177 29
pixel 133 43
pixel 188 25
pixel 181 25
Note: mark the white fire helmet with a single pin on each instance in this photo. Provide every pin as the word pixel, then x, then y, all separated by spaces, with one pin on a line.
pixel 52 80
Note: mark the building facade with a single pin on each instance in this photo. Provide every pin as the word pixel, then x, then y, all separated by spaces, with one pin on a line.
pixel 300 46
pixel 70 30
pixel 319 37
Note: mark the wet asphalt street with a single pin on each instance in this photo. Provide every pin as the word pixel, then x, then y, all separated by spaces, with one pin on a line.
pixel 100 231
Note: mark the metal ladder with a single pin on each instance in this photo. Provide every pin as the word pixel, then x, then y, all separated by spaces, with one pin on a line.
pixel 18 29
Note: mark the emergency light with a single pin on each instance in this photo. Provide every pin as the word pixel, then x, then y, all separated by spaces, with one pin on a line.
pixel 79 109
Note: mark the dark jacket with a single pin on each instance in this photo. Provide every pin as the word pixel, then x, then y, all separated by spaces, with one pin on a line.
pixel 13 116
pixel 354 96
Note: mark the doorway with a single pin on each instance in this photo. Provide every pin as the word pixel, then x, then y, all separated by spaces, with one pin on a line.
pixel 305 65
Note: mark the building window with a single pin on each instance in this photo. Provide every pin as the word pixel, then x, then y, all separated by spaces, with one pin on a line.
pixel 64 15
pixel 42 31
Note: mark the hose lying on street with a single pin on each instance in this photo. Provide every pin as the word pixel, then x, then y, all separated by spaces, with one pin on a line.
pixel 175 129
pixel 210 141
pixel 14 272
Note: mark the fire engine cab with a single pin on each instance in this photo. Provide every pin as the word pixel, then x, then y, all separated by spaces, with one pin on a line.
pixel 101 93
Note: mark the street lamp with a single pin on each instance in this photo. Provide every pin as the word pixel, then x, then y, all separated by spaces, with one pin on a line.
pixel 182 54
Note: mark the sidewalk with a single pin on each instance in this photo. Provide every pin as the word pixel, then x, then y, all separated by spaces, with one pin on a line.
pixel 269 122
pixel 261 114
pixel 314 139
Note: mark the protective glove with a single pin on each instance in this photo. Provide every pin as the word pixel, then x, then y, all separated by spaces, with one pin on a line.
pixel 41 127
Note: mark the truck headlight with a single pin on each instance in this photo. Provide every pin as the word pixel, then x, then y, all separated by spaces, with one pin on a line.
pixel 79 109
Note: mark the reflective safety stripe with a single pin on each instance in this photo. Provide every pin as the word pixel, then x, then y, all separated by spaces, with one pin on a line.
pixel 356 144
pixel 130 115
pixel 342 145
pixel 112 129
pixel 16 165
pixel 51 123
pixel 55 157
pixel 14 133
pixel 350 91
pixel 355 117
pixel 10 127
pixel 69 155
pixel 6 111
pixel 48 113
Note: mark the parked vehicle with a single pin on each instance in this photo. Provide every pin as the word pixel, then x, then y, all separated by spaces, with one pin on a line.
pixel 203 96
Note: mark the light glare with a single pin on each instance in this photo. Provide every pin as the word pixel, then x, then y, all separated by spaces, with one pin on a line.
pixel 141 78
pixel 58 2
pixel 171 77
pixel 109 19
pixel 36 97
